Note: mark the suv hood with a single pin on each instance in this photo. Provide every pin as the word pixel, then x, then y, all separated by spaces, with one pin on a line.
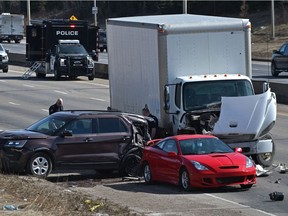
pixel 21 134
pixel 249 117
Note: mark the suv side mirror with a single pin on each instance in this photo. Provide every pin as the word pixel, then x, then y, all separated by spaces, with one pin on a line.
pixel 66 133
pixel 7 51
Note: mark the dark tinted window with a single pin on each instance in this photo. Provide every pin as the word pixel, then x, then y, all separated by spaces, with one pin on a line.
pixel 72 49
pixel 111 125
pixel 80 126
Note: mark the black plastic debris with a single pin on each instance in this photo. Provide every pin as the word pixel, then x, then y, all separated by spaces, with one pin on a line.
pixel 276 196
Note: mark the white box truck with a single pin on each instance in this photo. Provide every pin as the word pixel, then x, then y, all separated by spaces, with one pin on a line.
pixel 194 74
pixel 11 27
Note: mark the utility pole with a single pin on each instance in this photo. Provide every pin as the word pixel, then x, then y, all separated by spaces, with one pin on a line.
pixel 28 12
pixel 185 6
pixel 95 11
pixel 272 19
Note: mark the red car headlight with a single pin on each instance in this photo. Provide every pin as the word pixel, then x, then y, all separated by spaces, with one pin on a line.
pixel 199 166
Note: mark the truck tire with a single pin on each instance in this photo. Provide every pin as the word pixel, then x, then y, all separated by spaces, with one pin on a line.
pixel 266 159
pixel 57 75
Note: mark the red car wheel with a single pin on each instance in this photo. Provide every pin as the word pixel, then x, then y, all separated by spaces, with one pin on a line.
pixel 147 173
pixel 185 180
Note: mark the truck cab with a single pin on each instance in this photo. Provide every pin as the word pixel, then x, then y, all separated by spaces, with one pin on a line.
pixel 227 107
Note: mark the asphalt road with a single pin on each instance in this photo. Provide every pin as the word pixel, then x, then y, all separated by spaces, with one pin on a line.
pixel 26 101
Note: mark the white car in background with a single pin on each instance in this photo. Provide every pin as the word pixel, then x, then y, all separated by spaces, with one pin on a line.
pixel 3 59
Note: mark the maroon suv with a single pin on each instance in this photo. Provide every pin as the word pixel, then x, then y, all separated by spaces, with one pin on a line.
pixel 99 140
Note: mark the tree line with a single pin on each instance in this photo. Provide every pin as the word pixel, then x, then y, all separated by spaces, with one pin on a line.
pixel 107 9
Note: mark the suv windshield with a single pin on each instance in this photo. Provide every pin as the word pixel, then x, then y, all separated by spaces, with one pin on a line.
pixel 72 49
pixel 196 95
pixel 49 125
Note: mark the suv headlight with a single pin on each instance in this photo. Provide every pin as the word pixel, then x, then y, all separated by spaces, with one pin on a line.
pixel 15 143
pixel 5 58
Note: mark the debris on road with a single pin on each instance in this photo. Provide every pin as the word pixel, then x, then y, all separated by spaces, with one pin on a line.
pixel 276 196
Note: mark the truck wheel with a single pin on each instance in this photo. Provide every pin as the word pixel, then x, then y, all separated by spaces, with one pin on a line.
pixel 57 75
pixel 265 159
pixel 274 71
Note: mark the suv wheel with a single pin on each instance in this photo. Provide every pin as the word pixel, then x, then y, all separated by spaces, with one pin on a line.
pixel 131 165
pixel 274 71
pixel 39 165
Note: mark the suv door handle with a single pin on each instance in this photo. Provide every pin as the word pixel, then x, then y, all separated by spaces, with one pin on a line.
pixel 125 138
pixel 88 139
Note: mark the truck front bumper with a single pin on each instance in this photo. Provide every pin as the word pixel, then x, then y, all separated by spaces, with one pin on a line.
pixel 254 147
pixel 76 71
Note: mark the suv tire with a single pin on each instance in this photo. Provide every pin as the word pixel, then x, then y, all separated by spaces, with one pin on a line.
pixel 39 165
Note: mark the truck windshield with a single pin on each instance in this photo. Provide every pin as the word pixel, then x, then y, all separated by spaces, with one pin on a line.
pixel 72 49
pixel 197 95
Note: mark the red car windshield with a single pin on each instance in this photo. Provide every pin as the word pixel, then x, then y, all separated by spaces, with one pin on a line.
pixel 203 146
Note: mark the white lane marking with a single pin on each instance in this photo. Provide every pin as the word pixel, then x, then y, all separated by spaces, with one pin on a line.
pixel 31 86
pixel 96 84
pixel 14 103
pixel 2 80
pixel 241 205
pixel 61 92
pixel 45 110
pixel 98 99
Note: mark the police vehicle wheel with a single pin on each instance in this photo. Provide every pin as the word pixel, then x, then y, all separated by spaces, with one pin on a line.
pixel 57 75
pixel 91 77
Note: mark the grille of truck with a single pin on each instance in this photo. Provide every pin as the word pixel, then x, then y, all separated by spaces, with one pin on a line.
pixel 78 61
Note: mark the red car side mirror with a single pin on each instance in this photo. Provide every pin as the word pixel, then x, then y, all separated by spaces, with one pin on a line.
pixel 239 150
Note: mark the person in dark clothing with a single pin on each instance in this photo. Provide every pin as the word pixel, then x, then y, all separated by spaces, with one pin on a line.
pixel 58 106
pixel 152 122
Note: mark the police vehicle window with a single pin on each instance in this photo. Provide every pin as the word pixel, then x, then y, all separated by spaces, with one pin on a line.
pixel 111 125
pixel 72 49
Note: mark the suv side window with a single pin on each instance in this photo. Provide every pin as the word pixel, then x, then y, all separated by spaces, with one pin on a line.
pixel 81 126
pixel 111 125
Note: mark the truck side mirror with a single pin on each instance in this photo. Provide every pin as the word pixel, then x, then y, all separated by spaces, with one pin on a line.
pixel 94 55
pixel 265 86
pixel 166 98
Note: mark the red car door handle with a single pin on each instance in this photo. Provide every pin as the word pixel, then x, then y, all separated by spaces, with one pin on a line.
pixel 88 139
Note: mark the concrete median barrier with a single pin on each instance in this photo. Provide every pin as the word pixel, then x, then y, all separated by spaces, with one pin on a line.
pixel 102 72
pixel 20 60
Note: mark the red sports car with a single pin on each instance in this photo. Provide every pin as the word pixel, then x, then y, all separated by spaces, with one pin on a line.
pixel 196 161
